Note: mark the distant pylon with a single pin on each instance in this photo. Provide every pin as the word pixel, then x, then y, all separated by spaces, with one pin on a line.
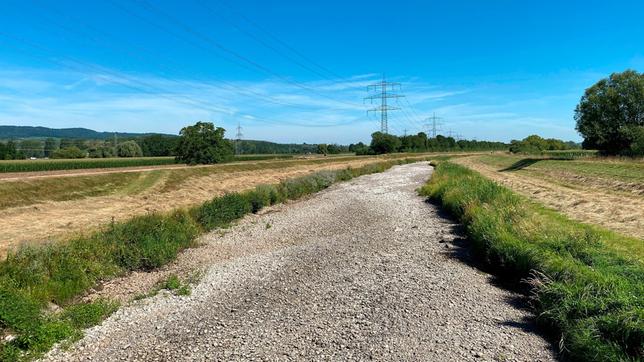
pixel 434 122
pixel 238 138
pixel 383 95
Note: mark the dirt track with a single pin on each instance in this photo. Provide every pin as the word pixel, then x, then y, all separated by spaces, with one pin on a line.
pixel 360 271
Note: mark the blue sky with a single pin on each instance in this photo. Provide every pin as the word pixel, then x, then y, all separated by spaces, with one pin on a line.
pixel 296 71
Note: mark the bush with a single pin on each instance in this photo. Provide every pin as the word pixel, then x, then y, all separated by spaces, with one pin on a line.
pixel 147 242
pixel 220 211
pixel 129 149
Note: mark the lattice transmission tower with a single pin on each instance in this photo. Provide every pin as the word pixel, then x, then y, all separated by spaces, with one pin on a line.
pixel 383 91
pixel 238 138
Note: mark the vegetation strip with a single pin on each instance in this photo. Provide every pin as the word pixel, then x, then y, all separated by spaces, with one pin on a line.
pixel 590 295
pixel 35 280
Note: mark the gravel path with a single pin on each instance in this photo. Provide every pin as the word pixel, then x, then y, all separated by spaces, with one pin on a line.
pixel 362 272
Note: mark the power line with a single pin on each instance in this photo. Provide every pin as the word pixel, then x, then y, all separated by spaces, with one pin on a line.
pixel 260 40
pixel 209 40
pixel 281 42
pixel 383 95
pixel 153 55
pixel 131 83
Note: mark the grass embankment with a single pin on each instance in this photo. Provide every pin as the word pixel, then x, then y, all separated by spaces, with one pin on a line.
pixel 589 294
pixel 622 169
pixel 34 277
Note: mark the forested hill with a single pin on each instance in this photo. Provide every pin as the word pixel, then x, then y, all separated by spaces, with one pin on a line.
pixel 10 132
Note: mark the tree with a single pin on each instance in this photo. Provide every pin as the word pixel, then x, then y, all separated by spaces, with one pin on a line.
pixel 68 152
pixel 323 149
pixel 129 149
pixel 158 145
pixel 8 151
pixel 50 146
pixel 203 143
pixel 32 148
pixel 384 143
pixel 610 114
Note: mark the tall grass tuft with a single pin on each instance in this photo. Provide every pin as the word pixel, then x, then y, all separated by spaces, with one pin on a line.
pixel 588 294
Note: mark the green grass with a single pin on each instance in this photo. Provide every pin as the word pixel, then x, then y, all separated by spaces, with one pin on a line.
pixel 175 285
pixel 83 163
pixel 35 276
pixel 587 293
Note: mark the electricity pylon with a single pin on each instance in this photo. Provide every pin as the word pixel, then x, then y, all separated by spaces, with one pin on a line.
pixel 238 138
pixel 435 122
pixel 386 92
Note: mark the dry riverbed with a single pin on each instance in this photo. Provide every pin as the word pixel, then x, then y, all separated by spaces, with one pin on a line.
pixel 364 270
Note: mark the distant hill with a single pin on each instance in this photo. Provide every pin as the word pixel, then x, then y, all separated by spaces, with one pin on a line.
pixel 9 132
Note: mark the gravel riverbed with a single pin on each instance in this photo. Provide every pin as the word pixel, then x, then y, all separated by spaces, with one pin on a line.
pixel 364 270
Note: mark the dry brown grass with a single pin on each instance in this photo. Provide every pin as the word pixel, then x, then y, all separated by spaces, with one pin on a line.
pixel 615 205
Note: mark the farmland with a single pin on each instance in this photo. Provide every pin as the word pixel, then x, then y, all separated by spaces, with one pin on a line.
pixel 69 204
pixel 92 163
pixel 601 191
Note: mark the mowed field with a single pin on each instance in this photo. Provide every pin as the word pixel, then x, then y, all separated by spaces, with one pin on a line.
pixel 604 191
pixel 45 207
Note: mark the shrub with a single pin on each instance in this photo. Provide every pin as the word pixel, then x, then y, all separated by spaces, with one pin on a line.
pixel 129 149
pixel 147 242
pixel 220 211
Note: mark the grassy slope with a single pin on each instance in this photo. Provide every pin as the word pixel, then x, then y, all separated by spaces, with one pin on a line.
pixel 35 276
pixel 614 169
pixel 588 293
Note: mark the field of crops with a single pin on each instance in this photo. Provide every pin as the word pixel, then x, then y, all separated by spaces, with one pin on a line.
pixel 87 163
pixel 83 163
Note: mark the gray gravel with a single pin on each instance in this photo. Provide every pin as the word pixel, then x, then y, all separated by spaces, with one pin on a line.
pixel 364 270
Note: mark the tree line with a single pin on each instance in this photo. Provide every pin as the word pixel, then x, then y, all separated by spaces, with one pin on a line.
pixel 387 143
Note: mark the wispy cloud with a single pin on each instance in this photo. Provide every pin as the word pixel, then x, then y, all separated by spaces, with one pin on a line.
pixel 324 111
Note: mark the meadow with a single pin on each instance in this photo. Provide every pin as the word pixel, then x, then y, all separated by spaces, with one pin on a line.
pixel 605 191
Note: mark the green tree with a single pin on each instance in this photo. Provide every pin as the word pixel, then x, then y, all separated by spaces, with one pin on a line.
pixel 158 145
pixel 51 145
pixel 384 143
pixel 204 144
pixel 68 152
pixel 9 151
pixel 323 149
pixel 129 149
pixel 610 114
pixel 32 148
